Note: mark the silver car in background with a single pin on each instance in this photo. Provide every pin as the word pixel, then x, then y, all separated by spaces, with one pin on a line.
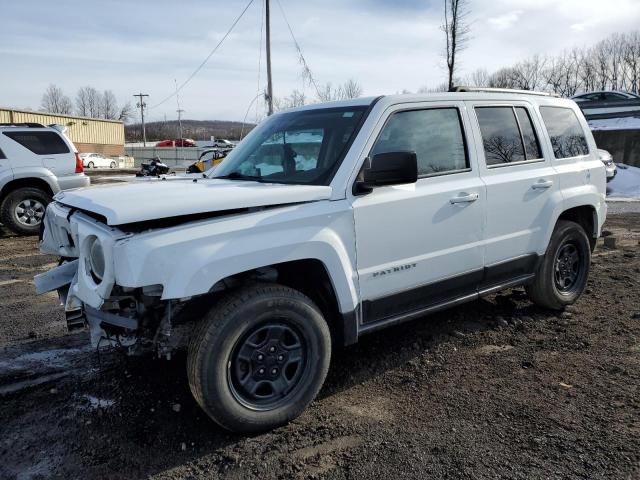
pixel 609 164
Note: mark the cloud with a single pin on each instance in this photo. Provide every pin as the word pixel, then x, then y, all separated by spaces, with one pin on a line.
pixel 505 21
pixel 386 45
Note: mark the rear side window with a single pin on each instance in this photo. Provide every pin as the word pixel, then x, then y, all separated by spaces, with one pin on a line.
pixel 529 137
pixel 435 135
pixel 40 143
pixel 507 135
pixel 565 132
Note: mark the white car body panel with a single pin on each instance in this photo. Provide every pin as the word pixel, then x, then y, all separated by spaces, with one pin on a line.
pixel 163 199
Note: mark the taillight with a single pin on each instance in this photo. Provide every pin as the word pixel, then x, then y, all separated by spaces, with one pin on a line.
pixel 79 167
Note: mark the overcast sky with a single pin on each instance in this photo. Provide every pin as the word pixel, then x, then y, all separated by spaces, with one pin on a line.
pixel 131 46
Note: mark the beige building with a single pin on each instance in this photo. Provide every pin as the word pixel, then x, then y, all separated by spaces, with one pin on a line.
pixel 88 134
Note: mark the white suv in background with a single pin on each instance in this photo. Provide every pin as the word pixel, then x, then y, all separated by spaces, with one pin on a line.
pixel 325 223
pixel 36 162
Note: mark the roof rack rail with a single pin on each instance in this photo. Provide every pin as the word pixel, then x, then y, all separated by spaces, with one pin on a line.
pixel 26 124
pixel 462 88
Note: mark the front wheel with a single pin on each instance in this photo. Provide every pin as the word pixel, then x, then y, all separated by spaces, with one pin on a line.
pixel 91 165
pixel 562 276
pixel 112 165
pixel 23 210
pixel 259 358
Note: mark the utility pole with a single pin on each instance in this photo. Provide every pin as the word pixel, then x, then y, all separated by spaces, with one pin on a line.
pixel 180 122
pixel 142 105
pixel 268 45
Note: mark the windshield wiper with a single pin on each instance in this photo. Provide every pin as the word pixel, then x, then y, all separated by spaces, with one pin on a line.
pixel 239 176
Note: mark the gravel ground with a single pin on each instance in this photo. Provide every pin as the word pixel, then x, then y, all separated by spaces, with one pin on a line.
pixel 493 389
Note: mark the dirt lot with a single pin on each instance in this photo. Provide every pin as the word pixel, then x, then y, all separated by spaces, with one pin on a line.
pixel 493 389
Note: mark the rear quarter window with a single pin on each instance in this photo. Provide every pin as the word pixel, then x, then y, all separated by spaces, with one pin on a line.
pixel 2 155
pixel 565 132
pixel 40 143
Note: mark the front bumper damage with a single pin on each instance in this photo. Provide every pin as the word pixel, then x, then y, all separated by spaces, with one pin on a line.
pixel 131 317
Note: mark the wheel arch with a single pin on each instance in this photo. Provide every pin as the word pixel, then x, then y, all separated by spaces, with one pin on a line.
pixel 585 216
pixel 17 183
pixel 309 276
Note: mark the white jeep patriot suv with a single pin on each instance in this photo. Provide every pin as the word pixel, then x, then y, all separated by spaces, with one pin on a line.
pixel 36 162
pixel 328 222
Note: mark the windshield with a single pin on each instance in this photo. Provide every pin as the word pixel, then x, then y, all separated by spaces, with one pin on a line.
pixel 303 147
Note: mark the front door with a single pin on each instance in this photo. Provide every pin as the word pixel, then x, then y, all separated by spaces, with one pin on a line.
pixel 420 244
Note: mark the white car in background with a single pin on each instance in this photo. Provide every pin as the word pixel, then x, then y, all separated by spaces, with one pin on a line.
pixel 94 160
pixel 609 164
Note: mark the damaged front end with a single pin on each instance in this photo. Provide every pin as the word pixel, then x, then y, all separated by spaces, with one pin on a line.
pixel 135 319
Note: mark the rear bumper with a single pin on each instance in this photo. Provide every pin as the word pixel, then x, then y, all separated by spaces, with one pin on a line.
pixel 77 180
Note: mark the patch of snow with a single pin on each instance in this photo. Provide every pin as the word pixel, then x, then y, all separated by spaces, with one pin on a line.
pixel 620 123
pixel 626 183
pixel 49 358
pixel 95 402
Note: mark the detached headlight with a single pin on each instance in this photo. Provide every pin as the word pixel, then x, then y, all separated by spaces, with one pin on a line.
pixel 96 259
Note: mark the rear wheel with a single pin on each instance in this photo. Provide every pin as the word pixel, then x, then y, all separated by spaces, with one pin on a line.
pixel 259 358
pixel 91 165
pixel 562 275
pixel 112 165
pixel 23 209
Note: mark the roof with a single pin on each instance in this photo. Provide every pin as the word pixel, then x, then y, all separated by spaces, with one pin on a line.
pixel 493 95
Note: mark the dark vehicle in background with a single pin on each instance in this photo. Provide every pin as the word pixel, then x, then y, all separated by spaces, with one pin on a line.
pixel 604 96
pixel 178 142
pixel 153 168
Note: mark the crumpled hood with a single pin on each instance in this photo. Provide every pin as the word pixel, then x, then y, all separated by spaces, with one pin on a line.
pixel 150 200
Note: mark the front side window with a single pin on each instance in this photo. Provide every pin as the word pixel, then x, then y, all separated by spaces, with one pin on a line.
pixel 40 143
pixel 435 135
pixel 304 147
pixel 565 132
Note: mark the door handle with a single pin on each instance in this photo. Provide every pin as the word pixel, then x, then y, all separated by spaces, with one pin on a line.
pixel 465 198
pixel 541 184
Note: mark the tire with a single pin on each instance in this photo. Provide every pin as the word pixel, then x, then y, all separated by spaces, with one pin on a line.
pixel 23 209
pixel 112 165
pixel 562 275
pixel 233 345
pixel 91 165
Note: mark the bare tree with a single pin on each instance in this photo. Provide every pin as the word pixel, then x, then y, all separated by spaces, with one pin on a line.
pixel 126 112
pixel 442 87
pixel 478 78
pixel 351 89
pixel 295 99
pixel 108 105
pixel 632 61
pixel 456 30
pixel 55 101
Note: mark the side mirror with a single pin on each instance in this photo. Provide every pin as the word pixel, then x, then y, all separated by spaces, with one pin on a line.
pixel 392 168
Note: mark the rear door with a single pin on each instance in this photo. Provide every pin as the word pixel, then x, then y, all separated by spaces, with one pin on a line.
pixel 522 187
pixel 420 244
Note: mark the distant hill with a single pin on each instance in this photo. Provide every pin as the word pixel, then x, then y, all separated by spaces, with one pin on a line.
pixel 194 129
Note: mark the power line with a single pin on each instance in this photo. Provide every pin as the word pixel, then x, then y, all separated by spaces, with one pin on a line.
pixel 306 69
pixel 195 72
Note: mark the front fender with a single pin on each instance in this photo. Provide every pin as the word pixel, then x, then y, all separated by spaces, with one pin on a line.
pixel 190 259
